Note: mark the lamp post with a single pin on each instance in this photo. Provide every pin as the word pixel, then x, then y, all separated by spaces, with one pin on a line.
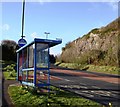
pixel 47 33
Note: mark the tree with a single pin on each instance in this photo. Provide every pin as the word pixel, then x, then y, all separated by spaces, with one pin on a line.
pixel 9 48
pixel 52 59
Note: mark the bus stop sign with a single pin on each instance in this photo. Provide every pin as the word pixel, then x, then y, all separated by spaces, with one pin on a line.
pixel 22 42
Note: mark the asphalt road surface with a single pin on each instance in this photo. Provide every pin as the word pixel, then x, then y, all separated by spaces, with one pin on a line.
pixel 102 88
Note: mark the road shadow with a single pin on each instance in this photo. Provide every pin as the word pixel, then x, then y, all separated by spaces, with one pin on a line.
pixel 101 96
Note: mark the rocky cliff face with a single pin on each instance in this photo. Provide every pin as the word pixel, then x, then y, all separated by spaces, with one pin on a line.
pixel 99 46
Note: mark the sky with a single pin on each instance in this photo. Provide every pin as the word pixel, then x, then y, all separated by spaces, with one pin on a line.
pixel 65 20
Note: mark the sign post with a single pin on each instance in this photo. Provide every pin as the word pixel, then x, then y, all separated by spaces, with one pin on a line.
pixel 22 42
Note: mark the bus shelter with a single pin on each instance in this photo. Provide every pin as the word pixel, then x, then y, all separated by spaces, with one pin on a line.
pixel 33 62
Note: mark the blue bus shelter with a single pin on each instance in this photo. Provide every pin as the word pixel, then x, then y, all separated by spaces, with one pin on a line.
pixel 33 62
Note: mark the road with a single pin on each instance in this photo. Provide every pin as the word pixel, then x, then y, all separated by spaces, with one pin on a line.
pixel 102 88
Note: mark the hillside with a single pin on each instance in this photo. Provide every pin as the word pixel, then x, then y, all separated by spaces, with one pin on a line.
pixel 100 46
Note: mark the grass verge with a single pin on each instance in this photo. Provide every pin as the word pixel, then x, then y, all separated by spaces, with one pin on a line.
pixel 23 97
pixel 104 69
pixel 93 68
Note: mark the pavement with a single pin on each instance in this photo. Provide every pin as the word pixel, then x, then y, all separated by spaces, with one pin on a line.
pixel 99 87
pixel 6 100
pixel 0 87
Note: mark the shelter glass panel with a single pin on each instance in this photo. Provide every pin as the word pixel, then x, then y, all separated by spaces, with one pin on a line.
pixel 25 58
pixel 31 56
pixel 20 65
pixel 28 76
pixel 42 76
pixel 20 60
pixel 42 55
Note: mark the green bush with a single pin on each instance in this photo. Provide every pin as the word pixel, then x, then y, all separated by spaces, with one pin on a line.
pixel 9 72
pixel 10 68
pixel 95 31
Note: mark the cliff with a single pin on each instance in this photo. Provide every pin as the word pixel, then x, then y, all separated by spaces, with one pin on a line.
pixel 100 46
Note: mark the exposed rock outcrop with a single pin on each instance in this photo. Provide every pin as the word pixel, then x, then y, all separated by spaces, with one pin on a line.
pixel 100 46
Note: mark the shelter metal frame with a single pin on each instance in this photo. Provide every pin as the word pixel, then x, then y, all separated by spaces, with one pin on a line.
pixel 33 62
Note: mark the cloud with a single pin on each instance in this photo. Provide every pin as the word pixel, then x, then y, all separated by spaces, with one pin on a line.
pixel 34 35
pixel 41 2
pixel 114 5
pixel 4 27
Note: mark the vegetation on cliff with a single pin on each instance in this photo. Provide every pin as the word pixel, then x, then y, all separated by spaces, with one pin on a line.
pixel 99 47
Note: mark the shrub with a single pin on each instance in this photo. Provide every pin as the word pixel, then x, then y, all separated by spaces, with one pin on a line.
pixel 95 31
pixel 10 69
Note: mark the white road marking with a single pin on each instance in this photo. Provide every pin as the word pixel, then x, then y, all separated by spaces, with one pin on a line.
pixel 85 93
pixel 84 87
pixel 92 91
pixel 91 95
pixel 74 86
pixel 66 80
pixel 82 84
pixel 103 93
pixel 96 87
pixel 116 92
pixel 77 92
